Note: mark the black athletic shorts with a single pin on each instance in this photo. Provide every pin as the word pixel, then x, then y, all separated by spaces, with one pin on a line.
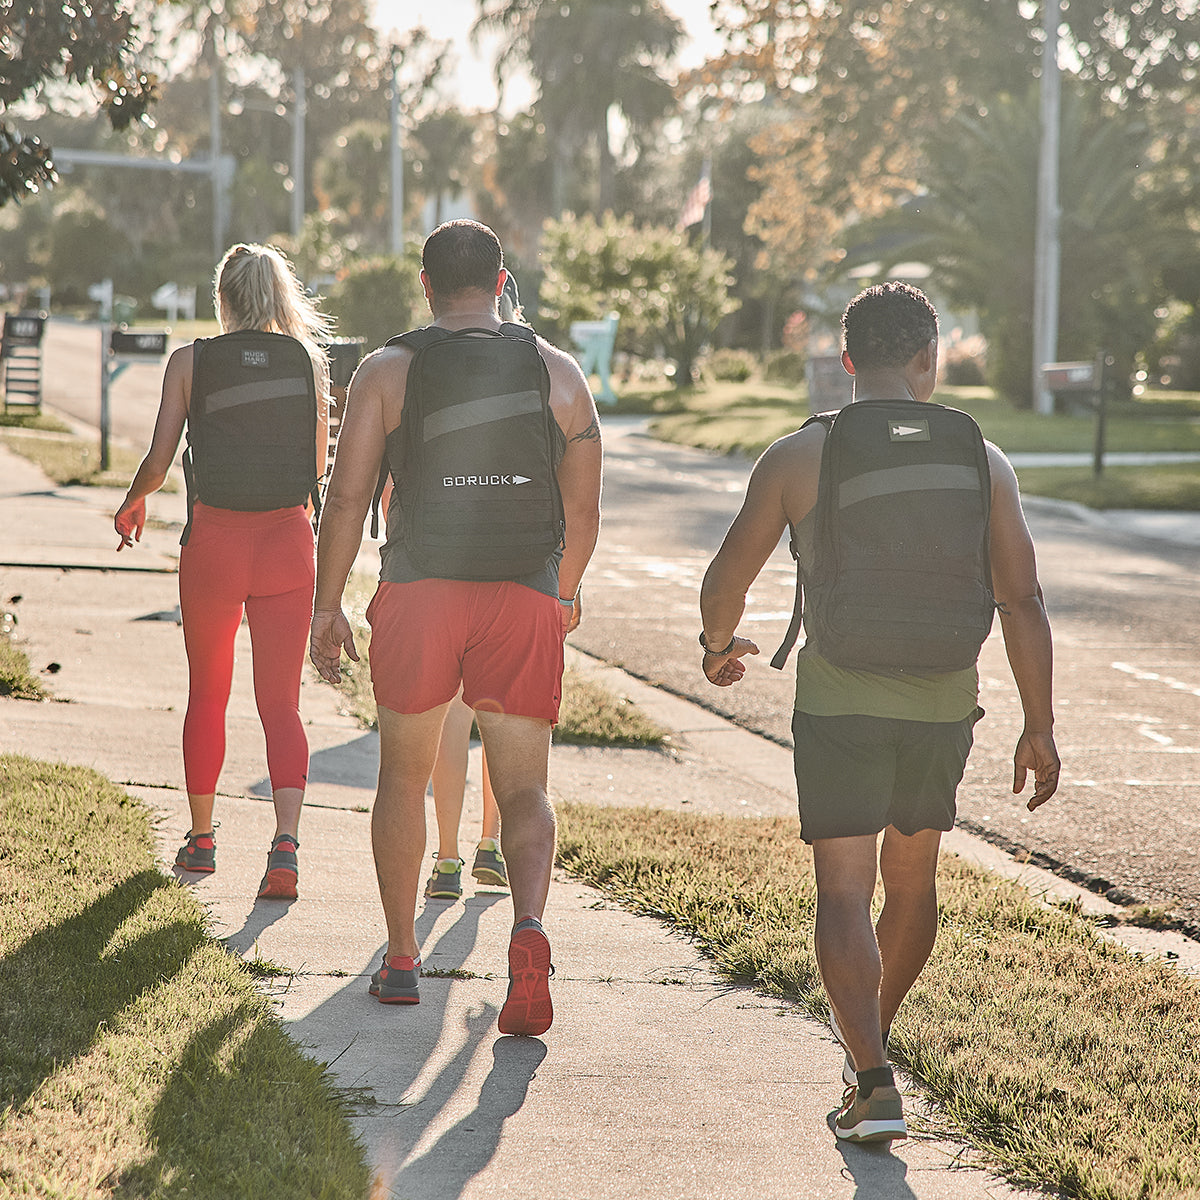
pixel 857 775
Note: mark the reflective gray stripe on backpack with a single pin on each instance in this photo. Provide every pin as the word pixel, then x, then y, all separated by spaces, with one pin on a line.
pixel 480 412
pixel 920 478
pixel 250 393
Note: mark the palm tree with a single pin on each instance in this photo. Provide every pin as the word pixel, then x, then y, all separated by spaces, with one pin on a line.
pixel 587 60
pixel 973 224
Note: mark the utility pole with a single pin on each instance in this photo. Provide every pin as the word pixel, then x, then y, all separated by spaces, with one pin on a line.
pixel 1046 245
pixel 397 159
pixel 299 116
pixel 218 173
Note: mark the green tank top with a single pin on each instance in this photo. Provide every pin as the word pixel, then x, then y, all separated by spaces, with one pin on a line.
pixel 825 690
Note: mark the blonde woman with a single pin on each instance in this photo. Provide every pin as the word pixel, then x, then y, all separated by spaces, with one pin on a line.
pixel 255 403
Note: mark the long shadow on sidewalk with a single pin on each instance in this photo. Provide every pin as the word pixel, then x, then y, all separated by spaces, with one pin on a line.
pixel 414 1061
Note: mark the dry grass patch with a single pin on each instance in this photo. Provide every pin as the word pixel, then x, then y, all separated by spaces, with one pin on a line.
pixel 1069 1061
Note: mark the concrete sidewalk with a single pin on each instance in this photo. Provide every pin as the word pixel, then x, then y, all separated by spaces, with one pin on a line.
pixel 657 1079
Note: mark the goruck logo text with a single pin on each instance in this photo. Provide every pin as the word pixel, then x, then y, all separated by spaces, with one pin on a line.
pixel 483 480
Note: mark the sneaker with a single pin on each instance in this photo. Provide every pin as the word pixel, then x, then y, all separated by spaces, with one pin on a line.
pixel 396 981
pixel 199 853
pixel 279 883
pixel 527 1008
pixel 849 1078
pixel 878 1117
pixel 489 865
pixel 446 881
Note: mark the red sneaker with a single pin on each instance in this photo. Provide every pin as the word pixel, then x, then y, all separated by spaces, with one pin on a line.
pixel 396 980
pixel 279 883
pixel 527 1008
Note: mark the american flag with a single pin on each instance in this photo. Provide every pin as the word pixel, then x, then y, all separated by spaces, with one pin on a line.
pixel 698 199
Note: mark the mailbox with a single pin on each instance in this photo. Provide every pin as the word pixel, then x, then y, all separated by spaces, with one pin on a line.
pixel 23 329
pixel 595 340
pixel 138 343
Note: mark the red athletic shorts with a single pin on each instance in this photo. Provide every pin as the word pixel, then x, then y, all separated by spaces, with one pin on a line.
pixel 503 641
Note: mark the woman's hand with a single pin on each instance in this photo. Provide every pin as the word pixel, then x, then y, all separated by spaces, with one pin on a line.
pixel 129 522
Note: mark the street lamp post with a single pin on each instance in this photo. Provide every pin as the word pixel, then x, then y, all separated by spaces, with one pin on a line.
pixel 397 159
pixel 1046 253
pixel 299 116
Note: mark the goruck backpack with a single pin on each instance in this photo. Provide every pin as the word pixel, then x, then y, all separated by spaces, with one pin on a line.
pixel 473 459
pixel 252 424
pixel 901 579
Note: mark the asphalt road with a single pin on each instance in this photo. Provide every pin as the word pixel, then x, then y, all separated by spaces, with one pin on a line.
pixel 1127 814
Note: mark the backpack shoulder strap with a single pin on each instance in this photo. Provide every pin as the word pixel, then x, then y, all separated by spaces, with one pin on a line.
pixel 415 339
pixel 189 472
pixel 780 657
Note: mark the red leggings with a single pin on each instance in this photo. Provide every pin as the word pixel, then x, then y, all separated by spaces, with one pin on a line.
pixel 261 563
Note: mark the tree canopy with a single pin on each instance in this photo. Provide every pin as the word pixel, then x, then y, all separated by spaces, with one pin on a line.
pixel 91 44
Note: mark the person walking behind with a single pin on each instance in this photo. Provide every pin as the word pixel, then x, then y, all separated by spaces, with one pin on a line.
pixel 496 511
pixel 887 694
pixel 255 403
pixel 449 787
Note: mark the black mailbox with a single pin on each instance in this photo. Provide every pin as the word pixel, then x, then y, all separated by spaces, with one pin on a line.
pixel 139 343
pixel 23 329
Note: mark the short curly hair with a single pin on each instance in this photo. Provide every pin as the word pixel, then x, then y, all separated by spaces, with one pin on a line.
pixel 886 325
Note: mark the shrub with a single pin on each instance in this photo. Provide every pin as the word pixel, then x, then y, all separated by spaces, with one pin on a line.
pixel 786 366
pixel 732 366
pixel 376 298
pixel 963 361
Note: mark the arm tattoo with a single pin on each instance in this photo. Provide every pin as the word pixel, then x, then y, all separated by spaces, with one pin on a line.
pixel 590 434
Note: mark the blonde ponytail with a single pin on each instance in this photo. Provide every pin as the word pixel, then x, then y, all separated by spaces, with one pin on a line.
pixel 255 288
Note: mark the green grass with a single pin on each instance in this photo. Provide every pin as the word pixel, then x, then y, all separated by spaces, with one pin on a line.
pixel 589 715
pixel 747 417
pixel 138 1057
pixel 68 459
pixel 16 680
pixel 1172 487
pixel 1067 1060
pixel 39 420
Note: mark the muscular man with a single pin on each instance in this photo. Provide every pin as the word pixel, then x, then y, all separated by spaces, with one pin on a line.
pixel 502 640
pixel 880 752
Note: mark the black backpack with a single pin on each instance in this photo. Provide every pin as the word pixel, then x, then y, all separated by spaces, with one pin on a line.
pixel 252 424
pixel 901 578
pixel 473 458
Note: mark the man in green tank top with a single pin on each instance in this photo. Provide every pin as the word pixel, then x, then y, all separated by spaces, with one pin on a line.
pixel 880 752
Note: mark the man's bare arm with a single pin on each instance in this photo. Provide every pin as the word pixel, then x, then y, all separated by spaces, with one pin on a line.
pixel 580 472
pixel 351 488
pixel 1026 629
pixel 752 537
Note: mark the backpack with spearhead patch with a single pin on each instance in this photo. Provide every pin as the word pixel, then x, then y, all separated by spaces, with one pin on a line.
pixel 473 458
pixel 252 424
pixel 901 578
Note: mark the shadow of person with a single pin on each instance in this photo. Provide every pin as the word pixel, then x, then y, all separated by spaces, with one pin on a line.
pixel 388 1049
pixel 354 763
pixel 470 1143
pixel 212 1088
pixel 264 914
pixel 70 979
pixel 878 1174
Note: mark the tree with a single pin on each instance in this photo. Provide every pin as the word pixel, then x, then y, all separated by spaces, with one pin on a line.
pixel 43 42
pixel 443 155
pixel 865 83
pixel 974 224
pixel 669 294
pixel 588 59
